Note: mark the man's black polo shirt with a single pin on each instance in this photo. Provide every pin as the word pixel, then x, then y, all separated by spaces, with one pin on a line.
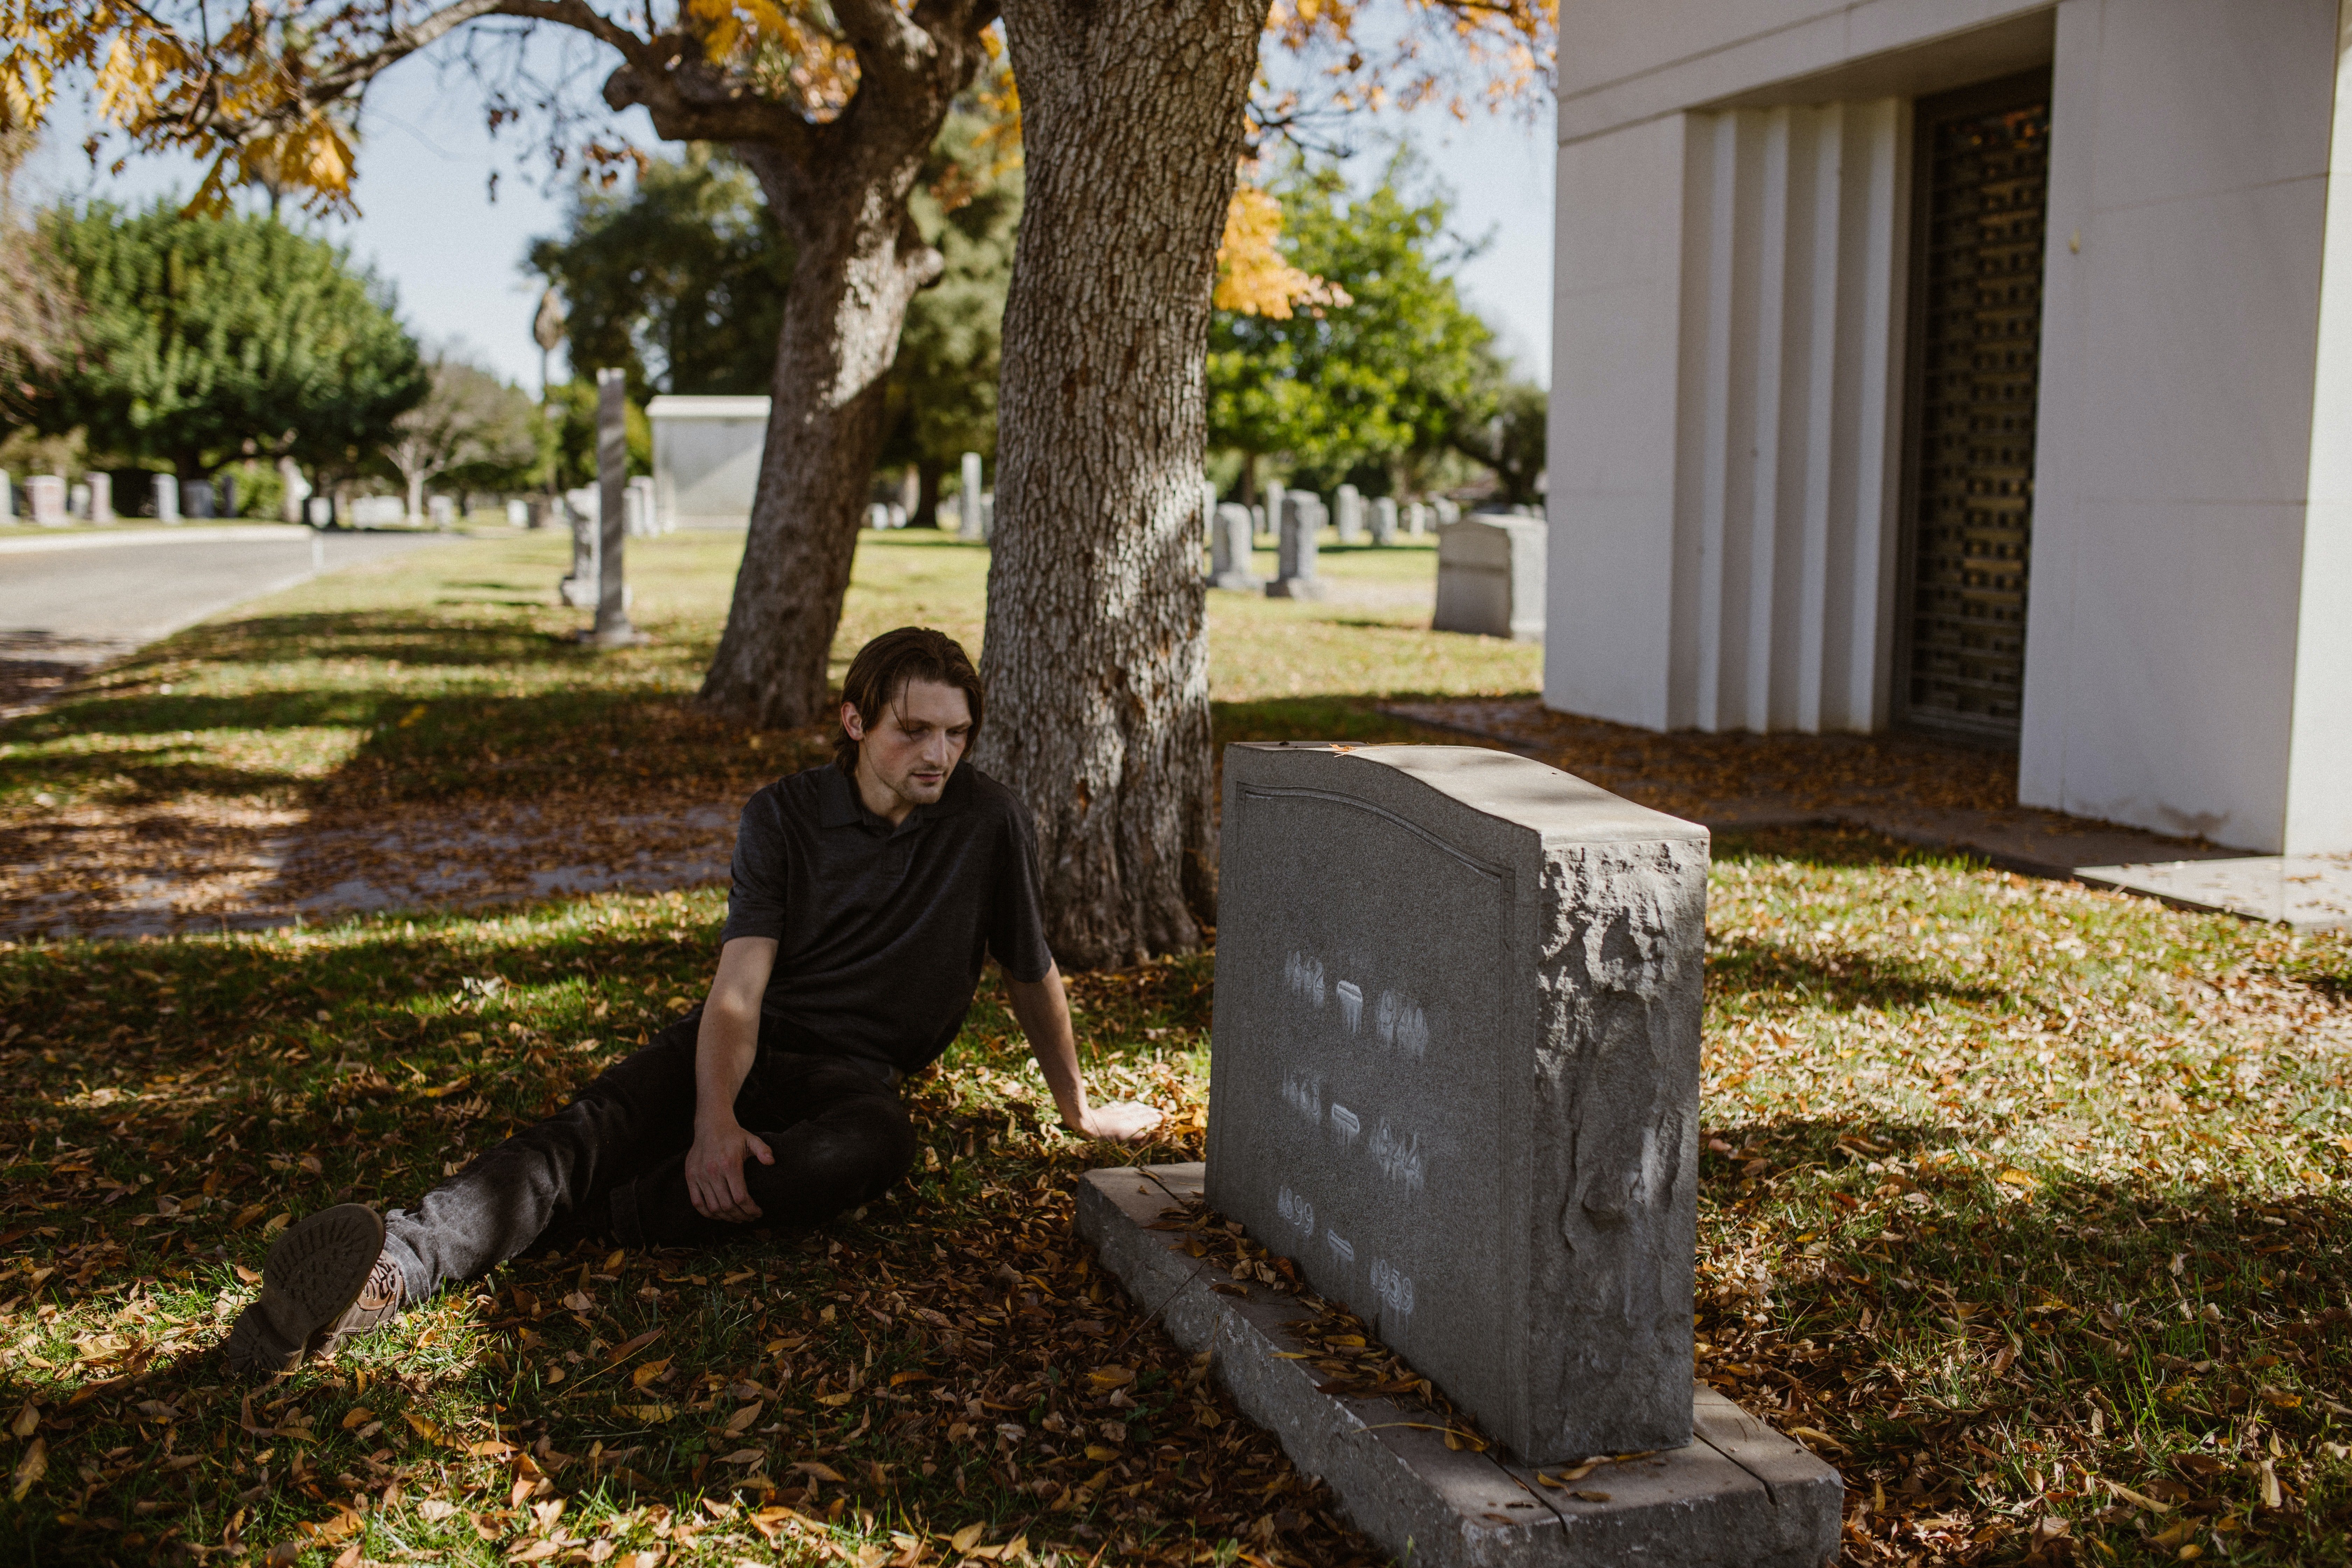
pixel 880 931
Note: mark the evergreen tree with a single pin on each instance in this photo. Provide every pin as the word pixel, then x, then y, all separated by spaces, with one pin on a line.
pixel 206 339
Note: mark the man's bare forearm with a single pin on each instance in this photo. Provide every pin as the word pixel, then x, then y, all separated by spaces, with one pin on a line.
pixel 1043 1010
pixel 723 1054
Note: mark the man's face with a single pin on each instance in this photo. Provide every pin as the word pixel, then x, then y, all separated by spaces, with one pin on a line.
pixel 907 756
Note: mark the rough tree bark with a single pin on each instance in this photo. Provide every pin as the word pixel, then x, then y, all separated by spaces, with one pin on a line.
pixel 841 192
pixel 1096 651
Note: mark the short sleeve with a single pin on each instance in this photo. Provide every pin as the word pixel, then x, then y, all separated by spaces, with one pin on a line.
pixel 1016 926
pixel 755 903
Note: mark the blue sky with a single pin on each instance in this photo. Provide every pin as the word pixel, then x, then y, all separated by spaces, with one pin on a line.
pixel 430 226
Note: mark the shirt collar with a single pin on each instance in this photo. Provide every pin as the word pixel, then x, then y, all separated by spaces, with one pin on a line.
pixel 840 807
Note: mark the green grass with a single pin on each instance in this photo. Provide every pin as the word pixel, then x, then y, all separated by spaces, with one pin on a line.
pixel 2015 1194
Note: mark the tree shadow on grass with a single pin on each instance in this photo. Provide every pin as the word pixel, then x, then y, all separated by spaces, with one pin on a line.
pixel 1959 1326
pixel 1841 980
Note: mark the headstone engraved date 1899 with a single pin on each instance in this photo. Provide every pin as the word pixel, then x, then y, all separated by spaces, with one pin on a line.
pixel 1456 1073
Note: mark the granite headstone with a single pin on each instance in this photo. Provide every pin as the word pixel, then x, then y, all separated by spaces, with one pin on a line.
pixel 1348 512
pixel 1384 520
pixel 1479 1127
pixel 1490 577
pixel 1302 522
pixel 611 628
pixel 102 497
pixel 968 519
pixel 163 497
pixel 1230 544
pixel 44 499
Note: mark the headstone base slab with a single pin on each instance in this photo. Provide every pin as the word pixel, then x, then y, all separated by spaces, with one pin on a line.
pixel 1741 1495
pixel 1303 588
pixel 1241 581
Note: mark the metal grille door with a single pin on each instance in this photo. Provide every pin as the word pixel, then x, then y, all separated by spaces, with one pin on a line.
pixel 1984 170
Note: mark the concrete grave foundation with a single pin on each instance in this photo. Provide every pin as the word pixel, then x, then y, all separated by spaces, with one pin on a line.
pixel 1740 1495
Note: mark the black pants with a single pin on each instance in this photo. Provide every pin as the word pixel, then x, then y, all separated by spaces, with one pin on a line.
pixel 613 1162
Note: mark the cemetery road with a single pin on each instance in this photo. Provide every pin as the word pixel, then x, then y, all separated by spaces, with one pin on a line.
pixel 63 610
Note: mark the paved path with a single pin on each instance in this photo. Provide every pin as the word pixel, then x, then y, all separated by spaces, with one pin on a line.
pixel 66 609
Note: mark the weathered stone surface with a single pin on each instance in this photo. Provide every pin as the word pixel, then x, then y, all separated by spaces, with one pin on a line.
pixel 1456 1072
pixel 1230 542
pixel 1490 577
pixel 45 501
pixel 968 477
pixel 1739 1496
pixel 1302 522
pixel 1348 512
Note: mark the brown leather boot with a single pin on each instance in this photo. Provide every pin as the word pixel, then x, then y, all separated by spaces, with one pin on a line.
pixel 320 1282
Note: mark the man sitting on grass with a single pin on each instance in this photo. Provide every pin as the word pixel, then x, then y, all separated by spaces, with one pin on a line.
pixel 867 893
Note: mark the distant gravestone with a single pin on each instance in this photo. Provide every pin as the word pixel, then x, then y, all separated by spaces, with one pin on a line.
pixel 517 514
pixel 1479 1127
pixel 1272 521
pixel 1230 542
pixel 441 511
pixel 378 511
pixel 45 501
pixel 198 500
pixel 1447 513
pixel 1490 577
pixel 1208 511
pixel 611 628
pixel 969 525
pixel 579 589
pixel 1384 520
pixel 7 499
pixel 163 497
pixel 319 512
pixel 1348 512
pixel 1302 522
pixel 101 497
pixel 1416 519
pixel 77 501
pixel 642 518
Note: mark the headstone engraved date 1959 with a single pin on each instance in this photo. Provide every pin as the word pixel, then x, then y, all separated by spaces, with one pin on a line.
pixel 1456 1073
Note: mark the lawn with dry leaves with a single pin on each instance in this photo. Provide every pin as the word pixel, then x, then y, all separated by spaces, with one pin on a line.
pixel 2024 1204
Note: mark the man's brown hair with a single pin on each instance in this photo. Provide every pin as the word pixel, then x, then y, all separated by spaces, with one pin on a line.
pixel 880 673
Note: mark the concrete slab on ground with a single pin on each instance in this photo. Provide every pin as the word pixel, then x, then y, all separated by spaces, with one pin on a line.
pixel 1741 1495
pixel 2307 893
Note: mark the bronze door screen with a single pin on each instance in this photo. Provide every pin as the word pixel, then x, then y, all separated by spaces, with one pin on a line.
pixel 1984 160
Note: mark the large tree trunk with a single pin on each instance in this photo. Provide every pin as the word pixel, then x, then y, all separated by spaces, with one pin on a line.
pixel 860 260
pixel 840 193
pixel 1097 652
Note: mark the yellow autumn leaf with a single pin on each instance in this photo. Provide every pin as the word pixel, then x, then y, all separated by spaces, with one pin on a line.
pixel 649 1372
pixel 964 1540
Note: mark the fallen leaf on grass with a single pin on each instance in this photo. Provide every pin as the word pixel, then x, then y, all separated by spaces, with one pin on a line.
pixel 964 1540
pixel 821 1470
pixel 1816 1435
pixel 357 1415
pixel 649 1372
pixel 741 1422
pixel 30 1469
pixel 2137 1500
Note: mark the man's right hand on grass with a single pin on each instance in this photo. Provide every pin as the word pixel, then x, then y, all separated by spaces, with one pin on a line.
pixel 714 1171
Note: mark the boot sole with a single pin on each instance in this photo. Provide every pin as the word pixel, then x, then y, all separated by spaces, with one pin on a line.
pixel 313 1274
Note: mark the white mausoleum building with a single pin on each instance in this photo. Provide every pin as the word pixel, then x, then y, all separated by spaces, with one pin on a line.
pixel 706 460
pixel 1971 366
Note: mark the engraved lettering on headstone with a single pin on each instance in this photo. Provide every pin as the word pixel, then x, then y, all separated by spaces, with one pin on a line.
pixel 1399 1156
pixel 1401 1024
pixel 1393 1289
pixel 1304 975
pixel 1345 1123
pixel 1304 1092
pixel 1296 1210
pixel 1351 1003
pixel 1341 1247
